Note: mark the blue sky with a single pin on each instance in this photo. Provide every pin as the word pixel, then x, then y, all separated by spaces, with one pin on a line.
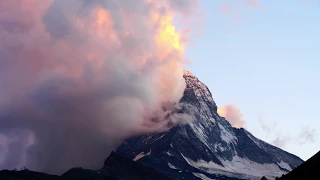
pixel 266 61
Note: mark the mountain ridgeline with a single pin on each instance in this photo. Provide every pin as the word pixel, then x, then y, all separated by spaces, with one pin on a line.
pixel 207 147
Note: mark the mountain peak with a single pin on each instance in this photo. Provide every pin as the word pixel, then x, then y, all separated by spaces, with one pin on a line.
pixel 208 147
pixel 187 73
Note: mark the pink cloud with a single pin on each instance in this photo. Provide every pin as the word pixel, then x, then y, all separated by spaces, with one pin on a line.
pixel 253 3
pixel 232 114
pixel 226 8
pixel 81 74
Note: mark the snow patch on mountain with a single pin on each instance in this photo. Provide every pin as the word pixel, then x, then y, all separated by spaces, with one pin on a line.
pixel 208 146
pixel 141 155
pixel 237 165
pixel 200 133
pixel 172 166
pixel 219 147
pixel 284 165
pixel 226 135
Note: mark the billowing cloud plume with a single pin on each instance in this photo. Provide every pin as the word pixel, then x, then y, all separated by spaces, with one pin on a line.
pixel 78 76
pixel 232 114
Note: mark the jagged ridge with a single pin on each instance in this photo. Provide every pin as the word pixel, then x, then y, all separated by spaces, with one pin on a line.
pixel 209 146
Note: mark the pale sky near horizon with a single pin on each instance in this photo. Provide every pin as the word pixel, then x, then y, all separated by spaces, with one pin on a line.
pixel 265 59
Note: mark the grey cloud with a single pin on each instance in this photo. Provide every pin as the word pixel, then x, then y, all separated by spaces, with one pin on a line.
pixel 268 128
pixel 56 22
pixel 184 5
pixel 307 135
pixel 282 141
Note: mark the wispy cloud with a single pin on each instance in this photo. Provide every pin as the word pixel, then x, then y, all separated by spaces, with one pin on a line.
pixel 253 3
pixel 267 127
pixel 306 135
pixel 282 141
pixel 233 10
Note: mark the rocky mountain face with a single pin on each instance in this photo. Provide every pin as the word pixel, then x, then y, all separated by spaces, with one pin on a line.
pixel 207 147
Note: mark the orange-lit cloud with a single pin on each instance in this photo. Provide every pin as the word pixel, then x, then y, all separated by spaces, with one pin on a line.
pixel 233 115
pixel 82 73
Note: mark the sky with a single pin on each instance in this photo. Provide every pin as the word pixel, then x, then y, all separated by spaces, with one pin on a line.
pixel 258 58
pixel 263 57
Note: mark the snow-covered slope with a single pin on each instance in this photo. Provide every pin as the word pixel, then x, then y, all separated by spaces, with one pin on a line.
pixel 208 147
